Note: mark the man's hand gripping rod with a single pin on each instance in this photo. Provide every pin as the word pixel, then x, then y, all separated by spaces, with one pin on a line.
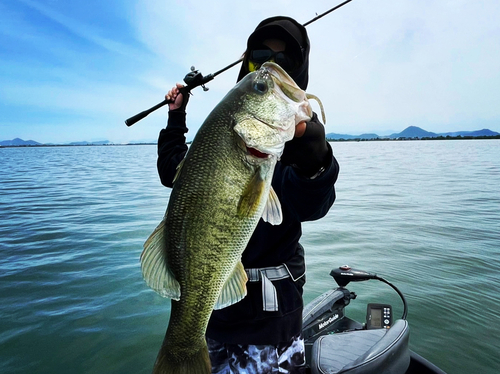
pixel 195 78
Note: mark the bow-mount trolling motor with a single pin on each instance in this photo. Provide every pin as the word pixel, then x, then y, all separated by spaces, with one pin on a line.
pixel 336 344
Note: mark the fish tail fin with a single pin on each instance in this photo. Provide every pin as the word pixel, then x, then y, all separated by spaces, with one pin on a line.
pixel 197 363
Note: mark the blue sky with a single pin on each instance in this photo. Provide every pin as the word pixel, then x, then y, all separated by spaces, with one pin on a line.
pixel 75 70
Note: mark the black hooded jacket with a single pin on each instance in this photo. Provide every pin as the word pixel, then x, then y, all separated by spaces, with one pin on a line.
pixel 302 199
pixel 296 39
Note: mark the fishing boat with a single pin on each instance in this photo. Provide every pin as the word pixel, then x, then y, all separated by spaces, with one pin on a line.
pixel 337 344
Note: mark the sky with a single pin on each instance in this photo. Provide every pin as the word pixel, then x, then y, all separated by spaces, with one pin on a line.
pixel 75 70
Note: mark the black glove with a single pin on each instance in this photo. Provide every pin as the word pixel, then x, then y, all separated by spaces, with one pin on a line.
pixel 309 153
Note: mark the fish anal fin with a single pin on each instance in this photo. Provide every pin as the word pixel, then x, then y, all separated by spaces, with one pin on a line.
pixel 154 265
pixel 234 289
pixel 272 212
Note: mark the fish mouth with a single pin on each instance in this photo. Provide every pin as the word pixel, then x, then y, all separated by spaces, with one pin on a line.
pixel 256 153
pixel 258 148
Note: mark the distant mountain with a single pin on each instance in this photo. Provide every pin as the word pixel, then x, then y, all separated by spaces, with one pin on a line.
pixel 335 136
pixel 412 132
pixel 17 142
pixel 483 132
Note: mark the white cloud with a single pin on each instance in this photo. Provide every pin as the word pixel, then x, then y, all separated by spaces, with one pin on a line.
pixel 410 63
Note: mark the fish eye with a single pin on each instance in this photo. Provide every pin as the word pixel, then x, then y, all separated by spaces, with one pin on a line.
pixel 260 86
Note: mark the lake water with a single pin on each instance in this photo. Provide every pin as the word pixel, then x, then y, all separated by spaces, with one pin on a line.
pixel 425 215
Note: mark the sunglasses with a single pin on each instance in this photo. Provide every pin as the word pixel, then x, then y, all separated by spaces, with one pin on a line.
pixel 259 56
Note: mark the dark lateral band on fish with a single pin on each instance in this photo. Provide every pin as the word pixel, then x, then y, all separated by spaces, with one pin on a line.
pixel 195 78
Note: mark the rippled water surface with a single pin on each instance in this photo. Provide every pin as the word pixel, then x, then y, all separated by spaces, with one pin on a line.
pixel 423 214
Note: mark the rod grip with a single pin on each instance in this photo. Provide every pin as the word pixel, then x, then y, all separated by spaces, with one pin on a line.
pixel 134 119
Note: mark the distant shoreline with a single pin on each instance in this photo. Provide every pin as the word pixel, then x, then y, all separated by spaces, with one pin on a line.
pixel 381 139
pixel 327 139
pixel 72 145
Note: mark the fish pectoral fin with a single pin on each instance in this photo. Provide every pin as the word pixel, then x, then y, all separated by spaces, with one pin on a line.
pixel 252 195
pixel 234 289
pixel 154 266
pixel 272 211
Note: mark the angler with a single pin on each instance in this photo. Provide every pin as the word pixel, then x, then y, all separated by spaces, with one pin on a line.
pixel 269 318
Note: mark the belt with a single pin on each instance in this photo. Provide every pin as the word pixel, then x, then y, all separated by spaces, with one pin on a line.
pixel 269 294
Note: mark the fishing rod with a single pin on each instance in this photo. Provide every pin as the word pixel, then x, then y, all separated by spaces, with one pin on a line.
pixel 194 78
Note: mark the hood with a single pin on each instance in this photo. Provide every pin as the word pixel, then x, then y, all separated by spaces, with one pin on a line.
pixel 293 34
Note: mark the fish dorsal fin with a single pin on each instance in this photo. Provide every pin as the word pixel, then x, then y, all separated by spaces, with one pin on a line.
pixel 234 289
pixel 154 266
pixel 272 211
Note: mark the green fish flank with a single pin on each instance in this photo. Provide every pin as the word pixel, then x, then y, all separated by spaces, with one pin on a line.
pixel 221 192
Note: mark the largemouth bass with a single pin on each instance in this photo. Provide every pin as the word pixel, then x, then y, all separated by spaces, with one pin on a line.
pixel 221 190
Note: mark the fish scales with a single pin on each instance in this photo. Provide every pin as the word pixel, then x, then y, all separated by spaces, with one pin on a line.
pixel 222 189
pixel 219 198
pixel 226 232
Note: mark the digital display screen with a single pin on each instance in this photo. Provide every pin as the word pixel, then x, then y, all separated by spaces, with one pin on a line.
pixel 376 318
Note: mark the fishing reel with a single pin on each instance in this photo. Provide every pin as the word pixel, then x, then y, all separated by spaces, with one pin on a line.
pixel 194 79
